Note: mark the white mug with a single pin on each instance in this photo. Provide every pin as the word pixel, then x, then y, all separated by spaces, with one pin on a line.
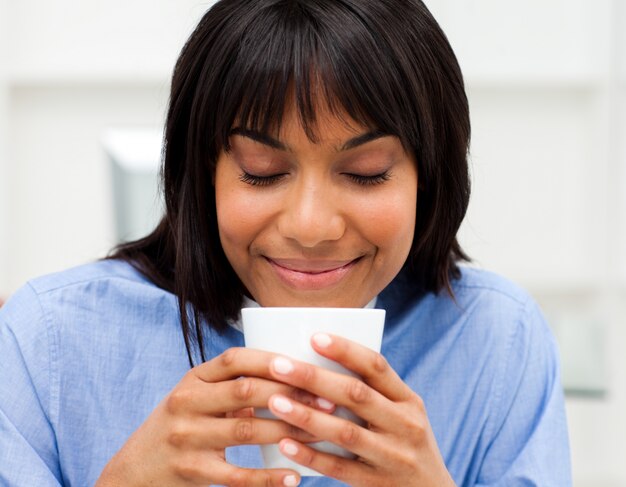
pixel 288 331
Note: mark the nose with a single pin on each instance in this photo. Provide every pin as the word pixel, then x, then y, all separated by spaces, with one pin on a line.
pixel 311 215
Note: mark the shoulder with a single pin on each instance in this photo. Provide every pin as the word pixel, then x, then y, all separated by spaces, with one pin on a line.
pixel 103 316
pixel 488 315
pixel 107 282
pixel 508 325
pixel 88 274
pixel 99 340
pixel 55 318
pixel 492 295
pixel 475 293
pixel 500 303
pixel 500 312
pixel 90 293
pixel 474 282
pixel 526 405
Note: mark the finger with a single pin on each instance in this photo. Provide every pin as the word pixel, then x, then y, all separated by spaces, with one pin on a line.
pixel 220 433
pixel 351 472
pixel 242 413
pixel 340 389
pixel 234 362
pixel 223 473
pixel 234 395
pixel 371 366
pixel 339 431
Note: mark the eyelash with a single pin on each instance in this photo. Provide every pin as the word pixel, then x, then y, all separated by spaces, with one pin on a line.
pixel 369 180
pixel 253 180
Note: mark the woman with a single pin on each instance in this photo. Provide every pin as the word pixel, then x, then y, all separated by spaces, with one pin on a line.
pixel 315 155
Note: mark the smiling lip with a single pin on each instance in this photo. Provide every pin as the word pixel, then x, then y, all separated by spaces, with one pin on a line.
pixel 310 275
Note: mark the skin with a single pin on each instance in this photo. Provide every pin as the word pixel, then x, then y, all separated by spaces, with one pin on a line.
pixel 326 229
pixel 397 448
pixel 314 215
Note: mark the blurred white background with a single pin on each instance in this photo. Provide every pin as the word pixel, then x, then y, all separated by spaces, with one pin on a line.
pixel 81 80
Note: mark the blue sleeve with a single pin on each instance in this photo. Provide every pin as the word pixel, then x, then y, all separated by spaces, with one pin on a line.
pixel 28 453
pixel 529 445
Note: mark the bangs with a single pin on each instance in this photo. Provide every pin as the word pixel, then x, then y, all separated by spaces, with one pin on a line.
pixel 384 65
pixel 309 55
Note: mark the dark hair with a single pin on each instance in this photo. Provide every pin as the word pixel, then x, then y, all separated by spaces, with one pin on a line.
pixel 384 63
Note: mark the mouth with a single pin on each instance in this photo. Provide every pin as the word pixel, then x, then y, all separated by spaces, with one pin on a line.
pixel 311 275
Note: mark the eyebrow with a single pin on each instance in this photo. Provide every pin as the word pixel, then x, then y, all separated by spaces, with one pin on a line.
pixel 270 141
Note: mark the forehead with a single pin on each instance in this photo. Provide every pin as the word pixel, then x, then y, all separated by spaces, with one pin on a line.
pixel 324 120
pixel 327 126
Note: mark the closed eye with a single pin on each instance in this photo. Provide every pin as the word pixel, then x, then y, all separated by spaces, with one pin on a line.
pixel 369 180
pixel 253 180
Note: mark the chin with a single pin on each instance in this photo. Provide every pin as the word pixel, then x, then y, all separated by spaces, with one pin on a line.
pixel 313 301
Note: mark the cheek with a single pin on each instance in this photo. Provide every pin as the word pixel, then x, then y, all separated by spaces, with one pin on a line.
pixel 241 217
pixel 237 221
pixel 233 212
pixel 232 216
pixel 390 223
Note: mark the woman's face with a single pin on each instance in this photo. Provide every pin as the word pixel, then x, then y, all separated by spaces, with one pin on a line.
pixel 316 224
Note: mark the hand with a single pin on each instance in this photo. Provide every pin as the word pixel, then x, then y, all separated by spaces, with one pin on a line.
pixel 397 448
pixel 183 441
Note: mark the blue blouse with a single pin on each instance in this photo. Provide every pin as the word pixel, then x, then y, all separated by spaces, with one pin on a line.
pixel 86 354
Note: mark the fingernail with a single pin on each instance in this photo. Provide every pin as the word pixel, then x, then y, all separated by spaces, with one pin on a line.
pixel 322 340
pixel 289 449
pixel 283 405
pixel 324 403
pixel 290 481
pixel 282 365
